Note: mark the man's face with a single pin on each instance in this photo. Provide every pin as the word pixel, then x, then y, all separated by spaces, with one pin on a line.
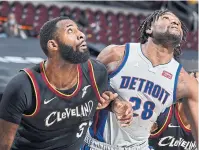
pixel 71 42
pixel 167 29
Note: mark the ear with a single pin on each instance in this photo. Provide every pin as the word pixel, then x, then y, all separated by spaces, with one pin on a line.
pixel 149 31
pixel 52 45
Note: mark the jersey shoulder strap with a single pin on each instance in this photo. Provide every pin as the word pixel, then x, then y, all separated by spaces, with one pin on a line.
pixel 31 73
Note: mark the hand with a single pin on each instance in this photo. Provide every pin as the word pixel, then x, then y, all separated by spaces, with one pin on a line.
pixel 123 111
pixel 154 127
pixel 106 98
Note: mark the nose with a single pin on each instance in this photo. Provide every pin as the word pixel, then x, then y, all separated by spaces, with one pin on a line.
pixel 175 22
pixel 81 36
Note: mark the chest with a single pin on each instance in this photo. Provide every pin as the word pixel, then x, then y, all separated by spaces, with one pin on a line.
pixel 57 110
pixel 140 83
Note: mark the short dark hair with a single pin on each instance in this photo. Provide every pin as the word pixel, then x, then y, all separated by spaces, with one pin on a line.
pixel 146 24
pixel 48 31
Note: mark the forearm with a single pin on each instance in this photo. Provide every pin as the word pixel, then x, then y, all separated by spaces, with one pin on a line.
pixel 7 134
pixel 5 141
pixel 4 147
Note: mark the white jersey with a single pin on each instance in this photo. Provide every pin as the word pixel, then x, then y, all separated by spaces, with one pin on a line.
pixel 149 89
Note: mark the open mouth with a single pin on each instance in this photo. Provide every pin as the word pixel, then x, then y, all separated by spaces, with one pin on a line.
pixel 83 45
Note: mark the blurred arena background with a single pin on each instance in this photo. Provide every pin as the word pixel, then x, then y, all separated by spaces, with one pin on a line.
pixel 103 22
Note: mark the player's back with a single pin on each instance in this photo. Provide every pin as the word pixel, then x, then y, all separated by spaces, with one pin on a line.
pixel 170 132
pixel 149 88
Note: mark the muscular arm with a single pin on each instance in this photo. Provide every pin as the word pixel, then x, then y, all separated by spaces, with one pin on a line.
pixel 13 104
pixel 188 88
pixel 7 134
pixel 112 56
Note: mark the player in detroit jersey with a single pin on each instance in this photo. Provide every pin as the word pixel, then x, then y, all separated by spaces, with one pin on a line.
pixel 172 130
pixel 50 105
pixel 146 75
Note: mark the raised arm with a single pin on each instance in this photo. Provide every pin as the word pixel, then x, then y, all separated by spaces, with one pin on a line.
pixel 112 56
pixel 188 88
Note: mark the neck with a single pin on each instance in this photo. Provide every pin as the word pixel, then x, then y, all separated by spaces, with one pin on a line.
pixel 156 53
pixel 61 75
pixel 182 115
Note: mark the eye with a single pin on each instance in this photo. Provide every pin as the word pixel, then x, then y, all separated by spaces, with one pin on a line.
pixel 165 17
pixel 69 31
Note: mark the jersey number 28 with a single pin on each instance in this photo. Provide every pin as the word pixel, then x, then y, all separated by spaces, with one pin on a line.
pixel 148 107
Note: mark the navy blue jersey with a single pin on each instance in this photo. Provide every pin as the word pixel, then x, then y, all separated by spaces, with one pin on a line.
pixel 171 133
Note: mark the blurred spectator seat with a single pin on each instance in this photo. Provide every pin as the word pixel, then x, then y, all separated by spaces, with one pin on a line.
pixel 65 11
pixel 106 28
pixel 4 8
pixel 53 12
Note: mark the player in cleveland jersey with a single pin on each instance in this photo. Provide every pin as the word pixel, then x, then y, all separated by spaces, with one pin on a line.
pixel 172 130
pixel 146 75
pixel 50 106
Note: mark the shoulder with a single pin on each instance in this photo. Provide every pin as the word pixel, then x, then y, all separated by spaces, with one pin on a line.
pixel 20 76
pixel 183 74
pixel 114 48
pixel 185 84
pixel 19 81
pixel 98 66
pixel 111 53
pixel 112 56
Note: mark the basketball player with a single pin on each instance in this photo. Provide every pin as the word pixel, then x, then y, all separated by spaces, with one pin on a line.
pixel 172 129
pixel 51 104
pixel 146 75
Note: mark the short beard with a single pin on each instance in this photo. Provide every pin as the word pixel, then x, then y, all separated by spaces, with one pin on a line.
pixel 167 39
pixel 67 53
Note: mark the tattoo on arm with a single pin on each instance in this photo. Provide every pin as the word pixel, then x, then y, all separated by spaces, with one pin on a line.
pixel 7 134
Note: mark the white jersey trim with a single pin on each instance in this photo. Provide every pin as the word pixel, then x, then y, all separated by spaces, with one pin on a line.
pixel 176 83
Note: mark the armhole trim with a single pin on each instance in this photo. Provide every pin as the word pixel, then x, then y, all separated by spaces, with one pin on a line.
pixel 119 68
pixel 176 83
pixel 36 90
pixel 97 93
pixel 168 119
pixel 179 119
pixel 93 81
